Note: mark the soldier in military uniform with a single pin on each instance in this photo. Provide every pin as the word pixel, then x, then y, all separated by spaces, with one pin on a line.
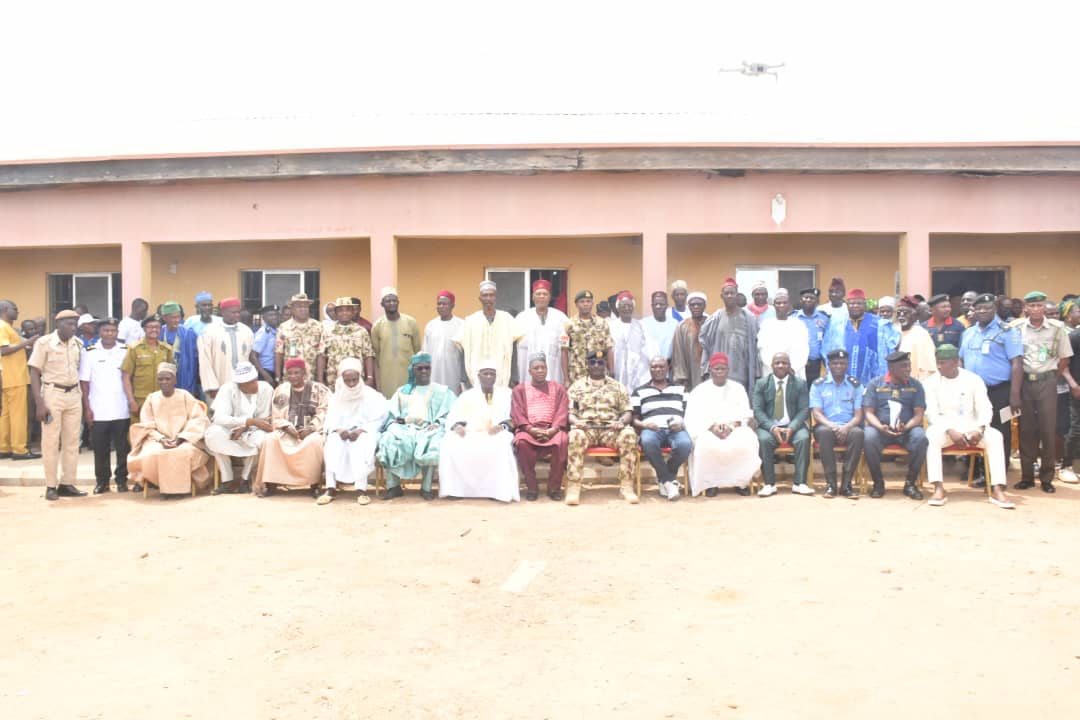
pixel 895 391
pixel 54 379
pixel 600 416
pixel 836 403
pixel 347 339
pixel 299 336
pixel 583 333
pixel 1046 354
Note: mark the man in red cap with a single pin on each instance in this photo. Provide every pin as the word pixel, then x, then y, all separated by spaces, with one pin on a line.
pixel 222 347
pixel 732 330
pixel 915 340
pixel 540 328
pixel 447 360
pixel 856 334
pixel 836 307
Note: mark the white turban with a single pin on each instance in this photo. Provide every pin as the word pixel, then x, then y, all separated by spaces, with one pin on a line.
pixel 697 295
pixel 245 372
pixel 388 290
pixel 678 285
pixel 487 285
pixel 887 301
pixel 759 285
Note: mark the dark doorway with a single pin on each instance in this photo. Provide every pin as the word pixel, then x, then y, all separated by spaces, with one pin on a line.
pixel 956 281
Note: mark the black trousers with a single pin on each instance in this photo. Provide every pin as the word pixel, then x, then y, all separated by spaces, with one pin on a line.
pixel 813 370
pixel 110 434
pixel 827 449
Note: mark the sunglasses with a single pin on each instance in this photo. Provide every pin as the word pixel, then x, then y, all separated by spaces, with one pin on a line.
pixel 597 361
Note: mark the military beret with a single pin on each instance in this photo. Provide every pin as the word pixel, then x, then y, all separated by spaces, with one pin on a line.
pixel 939 298
pixel 597 355
pixel 583 295
pixel 946 351
pixel 838 354
pixel 897 356
pixel 986 298
pixel 1035 296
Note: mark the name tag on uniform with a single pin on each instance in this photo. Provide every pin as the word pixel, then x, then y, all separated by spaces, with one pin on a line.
pixel 1044 354
pixel 986 347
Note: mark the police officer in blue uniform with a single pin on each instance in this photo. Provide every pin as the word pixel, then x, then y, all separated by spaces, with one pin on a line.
pixel 836 403
pixel 816 323
pixel 895 391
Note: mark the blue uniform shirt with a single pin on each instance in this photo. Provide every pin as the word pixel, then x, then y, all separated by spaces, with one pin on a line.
pixel 816 325
pixel 837 401
pixel 950 332
pixel 882 389
pixel 987 352
pixel 263 346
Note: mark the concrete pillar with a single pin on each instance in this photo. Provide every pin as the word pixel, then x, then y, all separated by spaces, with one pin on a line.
pixel 135 271
pixel 383 268
pixel 653 265
pixel 915 262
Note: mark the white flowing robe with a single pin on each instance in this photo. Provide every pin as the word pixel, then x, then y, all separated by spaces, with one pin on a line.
pixel 660 335
pixel 482 340
pixel 786 336
pixel 447 360
pixel 730 462
pixel 479 465
pixel 216 361
pixel 541 336
pixel 352 461
pixel 631 353
pixel 231 408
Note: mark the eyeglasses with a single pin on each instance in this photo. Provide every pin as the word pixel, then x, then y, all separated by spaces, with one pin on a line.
pixel 597 361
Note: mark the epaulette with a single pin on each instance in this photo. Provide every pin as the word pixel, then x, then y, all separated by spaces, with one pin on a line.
pixel 854 381
pixel 1016 322
pixel 820 380
pixel 1054 323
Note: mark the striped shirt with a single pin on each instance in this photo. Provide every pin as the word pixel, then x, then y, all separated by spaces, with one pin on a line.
pixel 651 404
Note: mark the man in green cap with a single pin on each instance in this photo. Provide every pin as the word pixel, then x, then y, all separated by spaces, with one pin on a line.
pixel 582 333
pixel 959 413
pixel 185 346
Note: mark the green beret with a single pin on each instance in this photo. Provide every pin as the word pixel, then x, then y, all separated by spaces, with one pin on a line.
pixel 1035 296
pixel 583 295
pixel 170 307
pixel 946 351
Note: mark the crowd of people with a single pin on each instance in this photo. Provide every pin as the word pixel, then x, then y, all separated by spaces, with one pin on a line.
pixel 303 403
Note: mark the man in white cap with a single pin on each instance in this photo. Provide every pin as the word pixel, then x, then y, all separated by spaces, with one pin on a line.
pixel 88 330
pixel 241 422
pixel 685 346
pixel 489 334
pixel 477 456
pixel 354 421
pixel 759 305
pixel 679 295
pixel 783 333
pixel 396 337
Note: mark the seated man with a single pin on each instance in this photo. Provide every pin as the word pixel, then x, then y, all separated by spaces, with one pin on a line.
pixel 167 442
pixel 241 422
pixel 600 417
pixel 781 411
pixel 659 408
pixel 477 456
pixel 414 429
pixel 540 412
pixel 292 454
pixel 356 416
pixel 958 410
pixel 894 405
pixel 836 402
pixel 721 425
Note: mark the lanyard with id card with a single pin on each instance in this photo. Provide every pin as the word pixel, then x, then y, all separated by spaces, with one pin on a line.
pixel 985 347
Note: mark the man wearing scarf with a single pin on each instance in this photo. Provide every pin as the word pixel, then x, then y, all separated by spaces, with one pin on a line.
pixel 759 305
pixel 185 346
pixel 242 412
pixel 732 330
pixel 292 454
pixel 414 429
pixel 222 347
pixel 857 334
pixel 539 411
pixel 356 416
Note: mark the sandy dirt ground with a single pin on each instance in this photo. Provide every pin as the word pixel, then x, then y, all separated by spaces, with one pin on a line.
pixel 119 607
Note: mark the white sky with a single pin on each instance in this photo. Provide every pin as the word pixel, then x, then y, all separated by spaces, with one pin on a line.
pixel 106 78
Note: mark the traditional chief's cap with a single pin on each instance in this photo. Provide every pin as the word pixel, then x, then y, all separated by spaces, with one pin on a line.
pixel 583 295
pixel 541 285
pixel 538 357
pixel 295 362
pixel 166 367
pixel 300 298
pixel 718 358
pixel 204 297
pixel 86 319
pixel 887 301
pixel 837 282
pixel 908 301
pixel 946 351
pixel 759 285
pixel 781 293
pixel 109 321
pixel 810 291
pixel 487 364
pixel 155 318
pixel 730 281
pixel 230 302
pixel 345 302
pixel 386 292
pixel 838 354
pixel 624 296
pixel 1035 296
pixel 245 372
pixel 487 285
pixel 597 355
pixel 935 299
pixel 170 307
pixel 856 294
pixel 986 298
pixel 679 285
pixel 697 295
pixel 897 356
pixel 448 295
pixel 66 314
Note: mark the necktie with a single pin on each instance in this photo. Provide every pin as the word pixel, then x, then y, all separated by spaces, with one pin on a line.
pixel 778 404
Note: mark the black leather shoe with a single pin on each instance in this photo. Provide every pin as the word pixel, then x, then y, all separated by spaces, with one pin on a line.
pixel 5 456
pixel 712 492
pixel 745 492
pixel 121 487
pixel 979 482
pixel 245 487
pixel 428 495
pixel 556 495
pixel 849 492
pixel 137 487
pixel 27 456
pixel 1048 487
pixel 50 494
pixel 878 491
pixel 830 490
pixel 70 491
pixel 1024 485
pixel 394 492
pixel 98 489
pixel 912 492
pixel 531 495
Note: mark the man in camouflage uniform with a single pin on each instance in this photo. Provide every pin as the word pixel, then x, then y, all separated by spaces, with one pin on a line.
pixel 600 416
pixel 346 340
pixel 583 333
pixel 299 336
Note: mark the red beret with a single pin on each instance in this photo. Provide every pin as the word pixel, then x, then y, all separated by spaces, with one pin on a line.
pixel 731 282
pixel 624 296
pixel 447 294
pixel 230 302
pixel 718 358
pixel 295 363
pixel 541 285
pixel 856 294
pixel 908 301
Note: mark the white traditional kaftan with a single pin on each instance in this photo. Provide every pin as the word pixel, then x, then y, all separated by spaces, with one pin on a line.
pixel 447 360
pixel 482 339
pixel 786 336
pixel 541 336
pixel 660 335
pixel 481 464
pixel 730 462
pixel 631 353
pixel 231 408
pixel 221 348
pixel 351 461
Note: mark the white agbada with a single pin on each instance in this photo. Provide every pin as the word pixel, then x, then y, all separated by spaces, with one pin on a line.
pixel 481 339
pixel 961 404
pixel 481 464
pixel 540 336
pixel 786 336
pixel 231 408
pixel 447 360
pixel 631 353
pixel 659 336
pixel 730 462
pixel 350 462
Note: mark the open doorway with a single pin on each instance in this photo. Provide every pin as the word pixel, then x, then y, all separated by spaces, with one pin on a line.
pixel 956 281
pixel 515 287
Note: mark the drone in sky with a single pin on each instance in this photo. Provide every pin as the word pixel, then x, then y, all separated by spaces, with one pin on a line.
pixel 754 69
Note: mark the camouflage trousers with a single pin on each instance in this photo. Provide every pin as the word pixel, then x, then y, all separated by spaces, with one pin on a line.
pixel 625 441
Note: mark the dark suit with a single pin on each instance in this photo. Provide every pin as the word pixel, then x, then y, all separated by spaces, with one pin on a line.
pixel 797 399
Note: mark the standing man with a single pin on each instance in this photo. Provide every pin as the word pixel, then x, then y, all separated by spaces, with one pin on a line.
pixel 540 328
pixel 781 409
pixel 14 378
pixel 894 405
pixel 836 402
pixel 915 340
pixel 488 335
pixel 659 408
pixel 856 333
pixel 582 332
pixel 942 326
pixel 185 346
pixel 1046 355
pixel 679 296
pixel 759 305
pixel 782 333
pixel 836 308
pixel 222 347
pixel 105 407
pixel 141 363
pixel 686 350
pixel 967 308
pixel 345 340
pixel 204 315
pixel 54 377
pixel 297 337
pixel 540 413
pixel 1070 314
pixel 816 323
pixel 447 359
pixel 87 330
pixel 396 338
pixel 631 351
pixel 131 330
pixel 262 349
pixel 732 330
pixel 660 326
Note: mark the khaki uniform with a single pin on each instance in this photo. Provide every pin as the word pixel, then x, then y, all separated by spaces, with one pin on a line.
pixel 141 363
pixel 581 337
pixel 1044 347
pixel 600 404
pixel 344 341
pixel 58 363
pixel 14 377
